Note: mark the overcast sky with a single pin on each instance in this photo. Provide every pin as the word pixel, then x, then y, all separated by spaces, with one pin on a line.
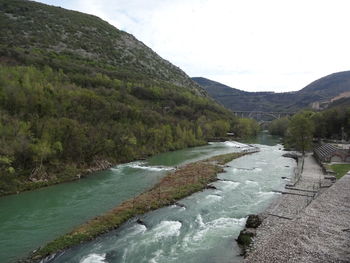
pixel 253 45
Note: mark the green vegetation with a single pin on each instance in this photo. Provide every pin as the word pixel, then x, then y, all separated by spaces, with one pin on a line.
pixel 299 130
pixel 246 128
pixel 76 92
pixel 299 134
pixel 35 33
pixel 52 127
pixel 174 186
pixel 279 126
pixel 340 169
pixel 330 123
pixel 224 158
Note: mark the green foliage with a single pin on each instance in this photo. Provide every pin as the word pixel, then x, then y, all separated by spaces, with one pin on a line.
pixel 74 89
pixel 49 120
pixel 246 127
pixel 300 131
pixel 279 126
pixel 35 33
pixel 340 169
pixel 332 123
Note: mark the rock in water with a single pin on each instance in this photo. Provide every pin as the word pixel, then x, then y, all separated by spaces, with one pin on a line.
pixel 245 238
pixel 253 221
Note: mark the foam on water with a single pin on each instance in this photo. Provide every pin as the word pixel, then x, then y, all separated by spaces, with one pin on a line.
pixel 166 229
pixel 138 229
pixel 94 258
pixel 115 169
pixel 227 185
pixel 213 198
pixel 224 225
pixel 235 144
pixel 199 220
pixel 246 170
pixel 156 257
pixel 141 165
pixel 211 219
pixel 249 182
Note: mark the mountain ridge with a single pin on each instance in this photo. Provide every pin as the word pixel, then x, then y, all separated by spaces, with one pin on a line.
pixel 315 93
pixel 69 31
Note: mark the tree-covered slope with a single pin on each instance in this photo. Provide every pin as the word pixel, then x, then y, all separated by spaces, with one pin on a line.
pixel 76 92
pixel 322 89
pixel 31 25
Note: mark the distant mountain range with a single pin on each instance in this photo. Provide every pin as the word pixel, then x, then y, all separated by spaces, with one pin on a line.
pixel 325 92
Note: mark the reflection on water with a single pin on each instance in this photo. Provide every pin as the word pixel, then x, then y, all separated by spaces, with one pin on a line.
pixel 263 138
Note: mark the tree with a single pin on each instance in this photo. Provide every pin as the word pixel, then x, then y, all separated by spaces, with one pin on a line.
pixel 41 151
pixel 300 131
pixel 279 126
pixel 246 127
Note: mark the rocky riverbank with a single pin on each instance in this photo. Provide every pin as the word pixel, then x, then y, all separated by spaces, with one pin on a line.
pixel 310 222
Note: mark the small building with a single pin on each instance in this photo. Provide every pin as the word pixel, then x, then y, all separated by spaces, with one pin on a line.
pixel 331 153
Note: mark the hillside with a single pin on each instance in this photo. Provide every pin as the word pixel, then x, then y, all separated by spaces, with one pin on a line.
pixel 53 30
pixel 219 89
pixel 77 94
pixel 323 89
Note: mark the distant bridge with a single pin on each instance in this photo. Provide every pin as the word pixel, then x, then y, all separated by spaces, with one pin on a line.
pixel 263 116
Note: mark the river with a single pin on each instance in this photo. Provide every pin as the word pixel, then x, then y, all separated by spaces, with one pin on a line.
pixel 202 231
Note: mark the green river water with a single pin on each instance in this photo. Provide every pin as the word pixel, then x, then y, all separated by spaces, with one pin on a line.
pixel 202 231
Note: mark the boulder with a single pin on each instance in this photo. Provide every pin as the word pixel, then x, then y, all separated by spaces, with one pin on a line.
pixel 253 221
pixel 210 186
pixel 245 238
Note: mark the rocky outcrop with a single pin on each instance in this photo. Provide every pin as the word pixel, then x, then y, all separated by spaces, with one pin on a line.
pixel 253 221
pixel 246 236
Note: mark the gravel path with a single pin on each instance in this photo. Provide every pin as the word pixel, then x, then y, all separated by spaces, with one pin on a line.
pixel 299 228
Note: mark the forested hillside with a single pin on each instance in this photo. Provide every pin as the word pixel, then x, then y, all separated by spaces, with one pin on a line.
pixel 320 90
pixel 75 93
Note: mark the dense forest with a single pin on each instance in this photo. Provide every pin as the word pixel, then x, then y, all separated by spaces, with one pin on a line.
pixel 331 124
pixel 54 124
pixel 63 111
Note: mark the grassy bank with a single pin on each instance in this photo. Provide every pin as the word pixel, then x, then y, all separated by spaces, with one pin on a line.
pixel 174 186
pixel 340 169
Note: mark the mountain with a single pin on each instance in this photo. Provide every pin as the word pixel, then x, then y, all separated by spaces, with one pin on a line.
pixel 31 25
pixel 78 95
pixel 219 89
pixel 318 95
pixel 239 100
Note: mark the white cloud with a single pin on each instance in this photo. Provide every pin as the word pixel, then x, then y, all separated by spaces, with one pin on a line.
pixel 279 45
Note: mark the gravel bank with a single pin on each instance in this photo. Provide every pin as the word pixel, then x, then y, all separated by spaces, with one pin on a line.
pixel 299 228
